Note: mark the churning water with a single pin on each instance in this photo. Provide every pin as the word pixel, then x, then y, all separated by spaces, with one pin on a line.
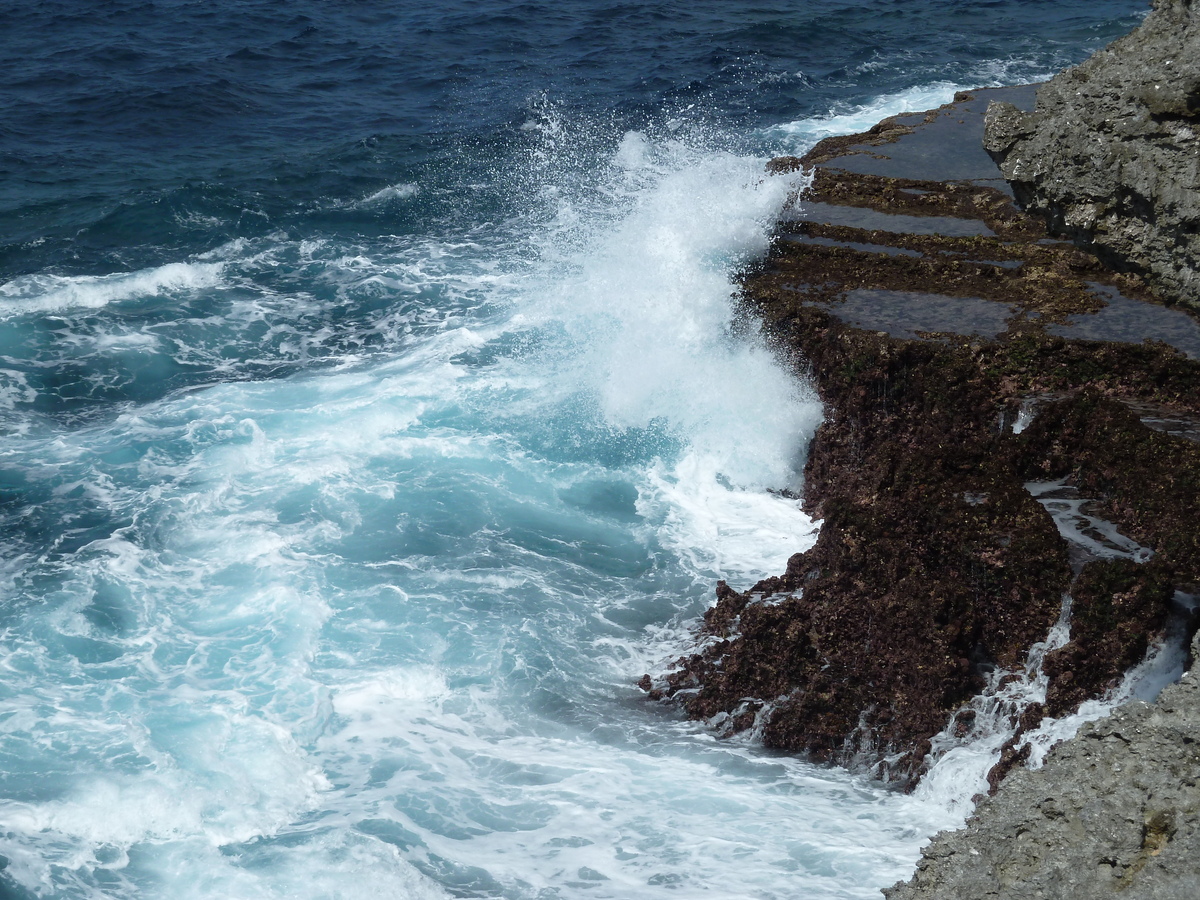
pixel 374 411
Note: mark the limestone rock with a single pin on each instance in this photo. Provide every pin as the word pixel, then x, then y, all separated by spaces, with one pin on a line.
pixel 1114 813
pixel 1111 154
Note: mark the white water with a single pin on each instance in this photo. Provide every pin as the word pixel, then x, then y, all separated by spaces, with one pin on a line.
pixel 963 762
pixel 59 293
pixel 806 132
pixel 372 629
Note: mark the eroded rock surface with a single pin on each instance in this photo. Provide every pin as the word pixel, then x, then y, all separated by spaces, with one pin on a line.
pixel 1115 812
pixel 1008 418
pixel 1111 154
pixel 1110 158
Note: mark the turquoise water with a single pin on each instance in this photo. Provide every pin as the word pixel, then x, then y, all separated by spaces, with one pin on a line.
pixel 374 412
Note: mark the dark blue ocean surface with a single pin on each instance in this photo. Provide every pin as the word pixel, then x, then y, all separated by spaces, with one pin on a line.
pixel 373 414
pixel 134 131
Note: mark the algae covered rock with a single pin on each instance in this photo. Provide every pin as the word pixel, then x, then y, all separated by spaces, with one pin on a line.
pixel 930 314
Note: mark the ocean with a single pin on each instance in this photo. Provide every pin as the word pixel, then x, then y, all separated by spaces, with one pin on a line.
pixel 375 411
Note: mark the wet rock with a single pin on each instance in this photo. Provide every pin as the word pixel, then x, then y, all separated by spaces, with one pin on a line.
pixel 1108 158
pixel 934 562
pixel 1150 480
pixel 1011 756
pixel 1119 606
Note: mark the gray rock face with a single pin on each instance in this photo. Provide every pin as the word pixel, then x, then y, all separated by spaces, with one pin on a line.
pixel 1114 813
pixel 1111 154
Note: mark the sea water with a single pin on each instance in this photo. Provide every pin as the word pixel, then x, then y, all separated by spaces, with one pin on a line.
pixel 375 409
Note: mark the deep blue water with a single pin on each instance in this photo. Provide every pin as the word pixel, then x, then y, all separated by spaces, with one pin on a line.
pixel 372 415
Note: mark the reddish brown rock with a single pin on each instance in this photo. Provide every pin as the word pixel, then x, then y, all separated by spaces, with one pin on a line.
pixel 934 561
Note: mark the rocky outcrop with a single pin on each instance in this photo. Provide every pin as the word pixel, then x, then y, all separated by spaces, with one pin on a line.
pixel 1115 812
pixel 996 436
pixel 931 560
pixel 929 311
pixel 1111 155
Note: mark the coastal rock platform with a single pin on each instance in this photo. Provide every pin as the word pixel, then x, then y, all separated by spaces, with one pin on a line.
pixel 976 371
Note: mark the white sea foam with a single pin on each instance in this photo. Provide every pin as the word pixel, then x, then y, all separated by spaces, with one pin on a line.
pixel 15 389
pixel 646 303
pixel 802 134
pixel 59 293
pixel 962 762
pixel 137 341
pixel 401 688
pixel 634 152
pixel 581 815
pixel 323 865
pixel 734 532
pixel 393 192
pixel 1163 664
pixel 377 624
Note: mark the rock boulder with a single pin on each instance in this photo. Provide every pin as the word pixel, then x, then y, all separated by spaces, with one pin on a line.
pixel 1110 156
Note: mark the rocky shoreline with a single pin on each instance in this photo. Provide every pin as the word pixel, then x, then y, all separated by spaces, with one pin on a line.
pixel 931 315
pixel 1109 158
pixel 1010 442
pixel 1114 812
